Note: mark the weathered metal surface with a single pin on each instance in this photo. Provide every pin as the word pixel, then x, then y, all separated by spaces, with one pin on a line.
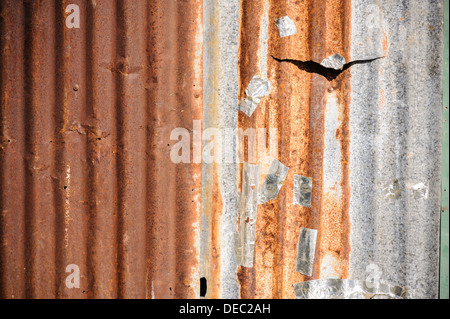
pixel 347 289
pixel 395 110
pixel 86 176
pixel 366 132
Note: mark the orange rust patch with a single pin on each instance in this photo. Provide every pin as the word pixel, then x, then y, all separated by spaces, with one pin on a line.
pixel 385 43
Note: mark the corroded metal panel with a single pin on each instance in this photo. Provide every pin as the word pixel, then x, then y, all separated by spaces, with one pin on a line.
pixel 346 87
pixel 97 97
pixel 86 177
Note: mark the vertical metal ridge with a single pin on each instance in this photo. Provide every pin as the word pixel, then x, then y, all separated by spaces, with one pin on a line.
pixel 12 147
pixel 73 137
pixel 102 139
pixel 132 133
pixel 90 151
pixel 162 108
pixel 58 141
pixel 40 227
pixel 188 209
pixel 251 28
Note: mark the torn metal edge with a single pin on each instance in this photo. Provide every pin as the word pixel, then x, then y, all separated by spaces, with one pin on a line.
pixel 335 61
pixel 245 241
pixel 347 289
pixel 273 182
pixel 302 190
pixel 286 26
pixel 306 249
pixel 256 90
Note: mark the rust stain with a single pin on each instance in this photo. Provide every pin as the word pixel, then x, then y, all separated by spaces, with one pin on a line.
pixel 385 43
pixel 296 108
pixel 86 176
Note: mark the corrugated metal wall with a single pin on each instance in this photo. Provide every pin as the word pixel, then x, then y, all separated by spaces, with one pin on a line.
pixel 375 125
pixel 87 113
pixel 86 176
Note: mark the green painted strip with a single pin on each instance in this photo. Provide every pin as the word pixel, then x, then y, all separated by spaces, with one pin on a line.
pixel 444 286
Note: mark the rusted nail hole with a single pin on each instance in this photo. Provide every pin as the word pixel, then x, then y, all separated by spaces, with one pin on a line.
pixel 253 187
pixel 65 187
pixel 99 138
pixel 9 141
pixel 203 287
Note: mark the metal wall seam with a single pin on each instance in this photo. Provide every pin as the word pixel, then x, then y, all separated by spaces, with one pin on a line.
pixel 85 154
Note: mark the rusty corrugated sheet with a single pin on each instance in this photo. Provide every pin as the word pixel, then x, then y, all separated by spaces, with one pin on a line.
pixel 86 115
pixel 373 126
pixel 297 107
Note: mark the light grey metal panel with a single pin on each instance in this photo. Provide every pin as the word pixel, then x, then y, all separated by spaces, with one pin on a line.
pixel 395 118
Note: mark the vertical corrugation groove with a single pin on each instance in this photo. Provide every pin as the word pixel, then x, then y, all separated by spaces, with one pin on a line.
pixel 102 261
pixel 163 87
pixel 59 154
pixel 131 130
pixel 39 101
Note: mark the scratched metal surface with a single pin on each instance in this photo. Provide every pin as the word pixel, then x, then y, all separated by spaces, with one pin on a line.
pixel 86 117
